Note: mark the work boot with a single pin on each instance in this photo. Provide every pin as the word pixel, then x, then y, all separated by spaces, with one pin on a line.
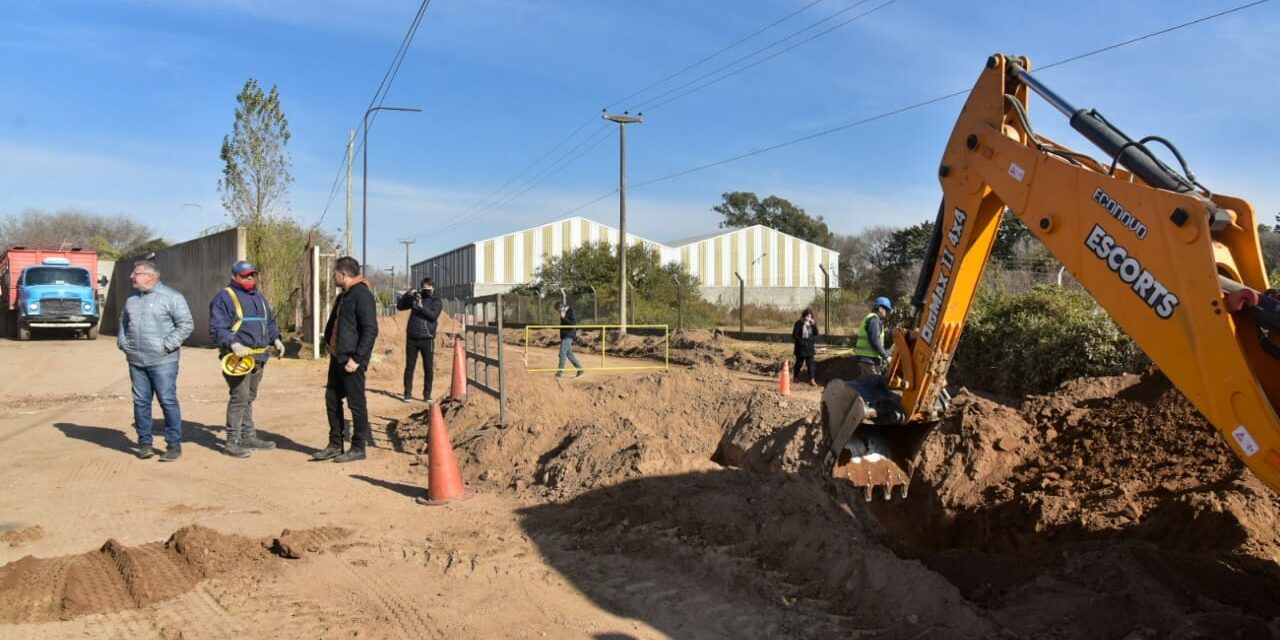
pixel 351 456
pixel 171 454
pixel 249 439
pixel 235 448
pixel 143 451
pixel 327 453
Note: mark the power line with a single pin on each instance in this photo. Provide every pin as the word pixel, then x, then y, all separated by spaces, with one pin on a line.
pixel 755 63
pixel 771 45
pixel 529 166
pixel 459 218
pixel 379 95
pixel 717 53
pixel 912 107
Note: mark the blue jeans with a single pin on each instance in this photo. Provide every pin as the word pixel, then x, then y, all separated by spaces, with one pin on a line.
pixel 160 381
pixel 566 351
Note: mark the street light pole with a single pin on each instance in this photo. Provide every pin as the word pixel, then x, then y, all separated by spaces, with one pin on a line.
pixel 622 120
pixel 364 186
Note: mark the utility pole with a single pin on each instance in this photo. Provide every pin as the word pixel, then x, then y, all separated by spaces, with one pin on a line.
pixel 622 120
pixel 407 285
pixel 351 161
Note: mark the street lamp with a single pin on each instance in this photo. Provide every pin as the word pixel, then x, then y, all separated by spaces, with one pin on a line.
pixel 364 187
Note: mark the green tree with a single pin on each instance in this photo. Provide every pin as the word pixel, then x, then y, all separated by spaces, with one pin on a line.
pixel 655 287
pixel 255 191
pixel 743 209
pixel 255 174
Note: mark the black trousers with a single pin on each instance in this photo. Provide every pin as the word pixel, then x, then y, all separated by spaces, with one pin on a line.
pixel 800 360
pixel 426 347
pixel 351 387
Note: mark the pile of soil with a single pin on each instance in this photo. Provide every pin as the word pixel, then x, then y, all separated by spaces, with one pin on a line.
pixel 19 537
pixel 566 437
pixel 117 577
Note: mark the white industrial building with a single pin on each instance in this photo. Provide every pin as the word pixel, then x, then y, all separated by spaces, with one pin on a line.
pixel 776 268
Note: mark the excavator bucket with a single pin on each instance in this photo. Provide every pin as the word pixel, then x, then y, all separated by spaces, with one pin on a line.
pixel 867 454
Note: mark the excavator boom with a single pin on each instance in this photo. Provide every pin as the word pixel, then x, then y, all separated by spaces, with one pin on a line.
pixel 1178 267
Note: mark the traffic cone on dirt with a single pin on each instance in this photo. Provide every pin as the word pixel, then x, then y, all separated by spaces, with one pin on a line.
pixel 444 482
pixel 459 388
pixel 784 378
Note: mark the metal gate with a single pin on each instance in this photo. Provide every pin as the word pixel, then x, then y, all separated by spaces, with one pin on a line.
pixel 482 342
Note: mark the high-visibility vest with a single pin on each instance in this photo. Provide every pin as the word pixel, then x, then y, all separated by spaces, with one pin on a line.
pixel 862 347
pixel 240 318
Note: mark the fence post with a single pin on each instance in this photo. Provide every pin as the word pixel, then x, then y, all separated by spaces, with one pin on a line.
pixel 826 300
pixel 742 300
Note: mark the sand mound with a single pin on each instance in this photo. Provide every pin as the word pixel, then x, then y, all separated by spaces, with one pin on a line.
pixel 118 577
pixel 19 537
pixel 1108 508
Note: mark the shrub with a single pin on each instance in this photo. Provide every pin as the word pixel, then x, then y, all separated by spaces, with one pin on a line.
pixel 1016 344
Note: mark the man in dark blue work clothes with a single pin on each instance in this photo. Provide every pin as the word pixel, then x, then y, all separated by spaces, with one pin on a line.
pixel 241 322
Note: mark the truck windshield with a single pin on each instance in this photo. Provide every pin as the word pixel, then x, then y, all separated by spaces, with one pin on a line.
pixel 57 275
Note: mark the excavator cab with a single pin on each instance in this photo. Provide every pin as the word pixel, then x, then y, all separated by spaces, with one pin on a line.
pixel 1178 267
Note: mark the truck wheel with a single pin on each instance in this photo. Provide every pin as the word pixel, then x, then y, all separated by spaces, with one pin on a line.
pixel 92 333
pixel 24 333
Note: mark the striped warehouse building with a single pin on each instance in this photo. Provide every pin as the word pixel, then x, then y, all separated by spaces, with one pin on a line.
pixel 776 268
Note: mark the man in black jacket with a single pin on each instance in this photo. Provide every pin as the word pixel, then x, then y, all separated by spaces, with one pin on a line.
pixel 349 333
pixel 424 309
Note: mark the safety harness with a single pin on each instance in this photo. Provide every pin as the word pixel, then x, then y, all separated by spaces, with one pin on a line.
pixel 232 364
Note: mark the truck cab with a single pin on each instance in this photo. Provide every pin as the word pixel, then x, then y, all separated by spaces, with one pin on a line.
pixel 56 295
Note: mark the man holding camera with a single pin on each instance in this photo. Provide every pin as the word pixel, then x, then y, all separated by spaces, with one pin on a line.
pixel 424 310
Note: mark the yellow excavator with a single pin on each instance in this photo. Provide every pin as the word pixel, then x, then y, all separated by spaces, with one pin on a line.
pixel 1177 266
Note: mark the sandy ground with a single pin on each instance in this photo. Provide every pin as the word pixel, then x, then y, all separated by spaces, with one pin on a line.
pixel 628 504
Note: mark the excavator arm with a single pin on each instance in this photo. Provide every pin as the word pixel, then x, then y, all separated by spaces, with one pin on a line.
pixel 1177 267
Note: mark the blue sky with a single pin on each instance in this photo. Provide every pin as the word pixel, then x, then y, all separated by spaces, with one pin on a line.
pixel 119 106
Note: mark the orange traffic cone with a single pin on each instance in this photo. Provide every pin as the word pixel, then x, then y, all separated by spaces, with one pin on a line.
pixel 444 482
pixel 459 388
pixel 784 378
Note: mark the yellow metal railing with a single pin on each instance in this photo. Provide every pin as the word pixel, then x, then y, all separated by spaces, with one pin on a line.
pixel 604 345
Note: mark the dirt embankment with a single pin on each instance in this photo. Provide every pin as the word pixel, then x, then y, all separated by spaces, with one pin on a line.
pixel 118 577
pixel 1109 508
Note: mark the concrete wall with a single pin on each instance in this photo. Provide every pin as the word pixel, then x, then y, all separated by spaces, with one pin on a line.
pixel 198 268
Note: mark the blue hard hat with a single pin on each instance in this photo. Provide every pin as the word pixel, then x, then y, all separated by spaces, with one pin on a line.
pixel 242 268
pixel 884 302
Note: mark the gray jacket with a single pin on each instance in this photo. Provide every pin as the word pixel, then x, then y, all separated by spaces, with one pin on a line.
pixel 153 325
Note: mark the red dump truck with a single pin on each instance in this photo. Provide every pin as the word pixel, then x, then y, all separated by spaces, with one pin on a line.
pixel 46 290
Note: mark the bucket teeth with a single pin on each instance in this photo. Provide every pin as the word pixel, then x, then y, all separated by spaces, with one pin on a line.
pixel 871 472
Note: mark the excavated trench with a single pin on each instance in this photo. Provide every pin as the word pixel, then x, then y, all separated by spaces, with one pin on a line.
pixel 1108 508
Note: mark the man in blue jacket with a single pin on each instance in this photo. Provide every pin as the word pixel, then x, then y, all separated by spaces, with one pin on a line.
pixel 154 323
pixel 241 322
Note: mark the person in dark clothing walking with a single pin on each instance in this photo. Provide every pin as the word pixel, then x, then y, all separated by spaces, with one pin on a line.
pixel 424 309
pixel 567 334
pixel 869 352
pixel 241 322
pixel 349 334
pixel 805 336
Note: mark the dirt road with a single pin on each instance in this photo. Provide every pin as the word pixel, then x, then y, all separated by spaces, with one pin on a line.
pixel 1108 509
pixel 467 570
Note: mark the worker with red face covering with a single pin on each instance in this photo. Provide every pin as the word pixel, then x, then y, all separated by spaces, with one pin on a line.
pixel 241 323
